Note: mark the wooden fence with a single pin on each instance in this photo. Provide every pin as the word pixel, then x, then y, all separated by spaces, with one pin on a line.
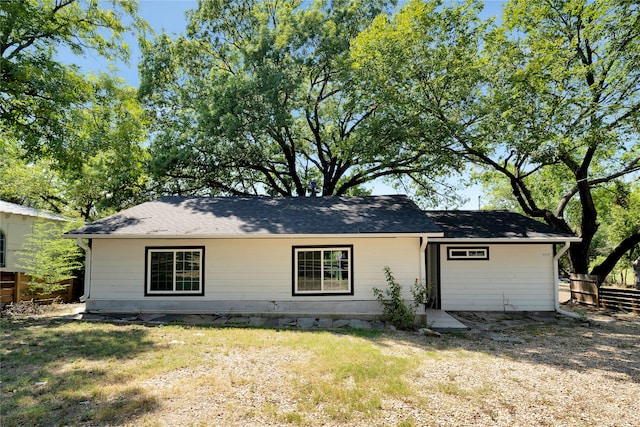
pixel 7 287
pixel 584 289
pixel 620 299
pixel 14 287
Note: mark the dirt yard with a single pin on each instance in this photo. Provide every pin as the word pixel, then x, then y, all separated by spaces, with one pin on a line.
pixel 507 370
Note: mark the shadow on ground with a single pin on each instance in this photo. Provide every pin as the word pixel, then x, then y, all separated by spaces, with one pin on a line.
pixel 49 376
pixel 608 341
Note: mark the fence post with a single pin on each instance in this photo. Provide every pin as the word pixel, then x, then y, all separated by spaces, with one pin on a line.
pixel 69 295
pixel 17 295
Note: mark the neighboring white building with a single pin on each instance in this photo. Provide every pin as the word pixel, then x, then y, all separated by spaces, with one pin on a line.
pixel 304 256
pixel 16 222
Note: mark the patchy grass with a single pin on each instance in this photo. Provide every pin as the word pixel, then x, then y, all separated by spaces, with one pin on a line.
pixel 69 373
pixel 61 373
pixel 58 373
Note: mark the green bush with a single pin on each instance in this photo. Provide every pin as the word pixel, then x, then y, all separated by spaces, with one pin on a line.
pixel 394 310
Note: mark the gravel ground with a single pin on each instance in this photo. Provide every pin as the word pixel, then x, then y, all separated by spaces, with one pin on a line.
pixel 507 370
pixel 536 372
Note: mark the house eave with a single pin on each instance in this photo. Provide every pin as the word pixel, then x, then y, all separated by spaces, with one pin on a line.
pixel 252 236
pixel 44 216
pixel 476 240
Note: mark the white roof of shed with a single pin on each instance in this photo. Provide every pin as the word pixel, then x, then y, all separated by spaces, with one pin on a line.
pixel 15 209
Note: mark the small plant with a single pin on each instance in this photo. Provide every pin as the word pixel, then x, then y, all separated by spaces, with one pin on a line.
pixel 422 297
pixel 582 314
pixel 394 309
pixel 421 294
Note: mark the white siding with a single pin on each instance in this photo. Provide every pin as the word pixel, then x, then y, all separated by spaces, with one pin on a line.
pixel 15 228
pixel 516 277
pixel 247 275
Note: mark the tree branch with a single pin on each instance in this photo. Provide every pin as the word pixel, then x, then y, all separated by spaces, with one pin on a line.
pixel 632 166
pixel 603 269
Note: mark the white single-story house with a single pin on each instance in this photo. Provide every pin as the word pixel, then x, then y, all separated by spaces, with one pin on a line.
pixel 311 256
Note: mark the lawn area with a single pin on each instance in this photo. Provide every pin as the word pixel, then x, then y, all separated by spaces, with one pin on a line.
pixel 58 372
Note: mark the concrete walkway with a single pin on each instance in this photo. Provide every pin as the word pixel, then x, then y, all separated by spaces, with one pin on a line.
pixel 439 320
pixel 442 321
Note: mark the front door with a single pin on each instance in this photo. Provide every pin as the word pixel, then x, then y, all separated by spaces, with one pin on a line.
pixel 433 272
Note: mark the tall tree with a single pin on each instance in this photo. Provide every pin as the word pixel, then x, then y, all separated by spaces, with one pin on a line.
pixel 36 89
pixel 100 169
pixel 105 160
pixel 552 95
pixel 259 97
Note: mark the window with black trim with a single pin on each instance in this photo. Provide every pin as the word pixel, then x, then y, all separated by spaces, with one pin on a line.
pixel 326 270
pixel 174 271
pixel 3 249
pixel 470 253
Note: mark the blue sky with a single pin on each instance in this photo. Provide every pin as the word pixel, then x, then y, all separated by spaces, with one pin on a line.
pixel 169 15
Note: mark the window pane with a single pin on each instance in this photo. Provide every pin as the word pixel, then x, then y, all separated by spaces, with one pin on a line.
pixel 187 271
pixel 336 270
pixel 476 253
pixel 309 271
pixel 161 271
pixel 323 270
pixel 481 253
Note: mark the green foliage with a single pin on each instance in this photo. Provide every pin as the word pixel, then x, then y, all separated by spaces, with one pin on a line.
pixel 394 309
pixel 106 158
pixel 546 104
pixel 70 143
pixel 37 90
pixel 421 294
pixel 26 183
pixel 261 97
pixel 618 204
pixel 267 96
pixel 48 258
pixel 102 167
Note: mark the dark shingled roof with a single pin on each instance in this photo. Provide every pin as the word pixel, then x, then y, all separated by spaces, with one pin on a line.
pixel 231 216
pixel 498 224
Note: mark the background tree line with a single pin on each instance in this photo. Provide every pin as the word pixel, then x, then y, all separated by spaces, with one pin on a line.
pixel 265 97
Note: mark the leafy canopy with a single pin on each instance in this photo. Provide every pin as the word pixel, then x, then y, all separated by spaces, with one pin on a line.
pixel 548 102
pixel 70 142
pixel 37 89
pixel 261 97
pixel 101 168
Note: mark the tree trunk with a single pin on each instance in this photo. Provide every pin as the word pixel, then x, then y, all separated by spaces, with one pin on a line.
pixel 579 253
pixel 603 270
pixel 579 257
